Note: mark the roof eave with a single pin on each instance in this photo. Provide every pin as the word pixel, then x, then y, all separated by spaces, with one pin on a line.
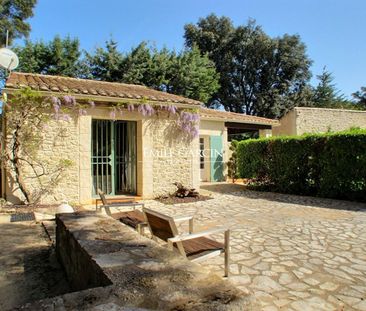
pixel 107 99
pixel 275 122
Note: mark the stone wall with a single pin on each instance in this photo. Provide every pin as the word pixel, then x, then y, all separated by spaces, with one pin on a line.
pixel 287 125
pixel 81 271
pixel 164 156
pixel 318 120
pixel 174 157
pixel 60 142
pixel 303 120
pixel 138 273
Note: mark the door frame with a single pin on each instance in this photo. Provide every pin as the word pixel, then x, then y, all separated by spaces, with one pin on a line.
pixel 113 157
pixel 206 158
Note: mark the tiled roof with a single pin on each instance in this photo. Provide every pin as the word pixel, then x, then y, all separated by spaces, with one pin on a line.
pixel 226 116
pixel 95 88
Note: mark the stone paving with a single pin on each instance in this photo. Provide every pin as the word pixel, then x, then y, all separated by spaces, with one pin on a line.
pixel 289 252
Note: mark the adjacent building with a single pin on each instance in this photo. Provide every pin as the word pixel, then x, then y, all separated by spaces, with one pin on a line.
pixel 302 120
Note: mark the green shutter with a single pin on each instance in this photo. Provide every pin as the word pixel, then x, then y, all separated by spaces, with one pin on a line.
pixel 217 164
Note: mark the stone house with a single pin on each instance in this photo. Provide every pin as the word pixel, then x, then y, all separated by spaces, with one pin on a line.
pixel 129 154
pixel 301 120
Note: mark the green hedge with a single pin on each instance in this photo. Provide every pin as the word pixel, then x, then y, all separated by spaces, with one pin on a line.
pixel 328 165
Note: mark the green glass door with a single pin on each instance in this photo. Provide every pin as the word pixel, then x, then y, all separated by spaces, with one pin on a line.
pixel 114 156
pixel 217 164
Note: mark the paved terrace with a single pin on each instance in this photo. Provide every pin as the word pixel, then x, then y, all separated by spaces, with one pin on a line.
pixel 288 252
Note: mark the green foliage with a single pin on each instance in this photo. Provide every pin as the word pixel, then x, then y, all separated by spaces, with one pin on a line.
pixel 360 97
pixel 259 75
pixel 326 95
pixel 187 73
pixel 13 14
pixel 104 64
pixel 233 161
pixel 193 76
pixel 328 165
pixel 57 57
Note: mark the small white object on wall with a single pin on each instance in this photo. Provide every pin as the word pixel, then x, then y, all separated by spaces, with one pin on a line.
pixel 64 208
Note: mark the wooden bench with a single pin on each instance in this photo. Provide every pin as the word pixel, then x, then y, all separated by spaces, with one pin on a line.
pixel 194 246
pixel 133 218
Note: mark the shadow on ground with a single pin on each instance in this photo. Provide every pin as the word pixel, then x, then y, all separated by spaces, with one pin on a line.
pixel 29 269
pixel 241 190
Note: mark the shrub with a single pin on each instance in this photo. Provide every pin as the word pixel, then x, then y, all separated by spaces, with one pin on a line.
pixel 232 165
pixel 329 165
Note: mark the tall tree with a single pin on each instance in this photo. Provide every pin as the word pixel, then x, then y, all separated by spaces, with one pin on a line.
pixel 325 93
pixel 188 73
pixel 57 57
pixel 104 63
pixel 360 97
pixel 259 75
pixel 13 15
pixel 193 76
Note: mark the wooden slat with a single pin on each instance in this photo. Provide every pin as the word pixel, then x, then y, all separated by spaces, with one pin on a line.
pixel 160 227
pixel 201 245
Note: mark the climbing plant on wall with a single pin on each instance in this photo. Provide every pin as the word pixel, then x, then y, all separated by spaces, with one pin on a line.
pixel 28 114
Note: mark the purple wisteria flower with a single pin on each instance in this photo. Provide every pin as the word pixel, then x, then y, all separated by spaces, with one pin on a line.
pixel 112 114
pixel 54 100
pixel 149 110
pixel 171 109
pixel 69 100
pixel 130 107
pixel 188 122
pixel 63 117
pixel 141 109
pixel 82 112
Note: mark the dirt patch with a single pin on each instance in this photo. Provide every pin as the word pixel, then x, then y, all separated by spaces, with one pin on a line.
pixel 175 200
pixel 29 268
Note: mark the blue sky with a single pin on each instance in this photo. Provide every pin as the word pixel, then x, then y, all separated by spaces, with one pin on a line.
pixel 333 30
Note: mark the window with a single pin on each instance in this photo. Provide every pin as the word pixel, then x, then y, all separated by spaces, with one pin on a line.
pixel 202 155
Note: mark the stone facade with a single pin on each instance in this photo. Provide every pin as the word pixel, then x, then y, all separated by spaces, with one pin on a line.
pixel 303 120
pixel 59 142
pixel 164 156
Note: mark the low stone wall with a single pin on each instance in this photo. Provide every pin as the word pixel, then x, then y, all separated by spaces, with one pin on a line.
pixel 132 272
pixel 81 270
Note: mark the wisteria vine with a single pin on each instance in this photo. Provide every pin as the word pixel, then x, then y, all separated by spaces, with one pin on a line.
pixel 187 120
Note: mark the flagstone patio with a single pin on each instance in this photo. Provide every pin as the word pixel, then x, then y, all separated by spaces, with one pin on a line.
pixel 290 252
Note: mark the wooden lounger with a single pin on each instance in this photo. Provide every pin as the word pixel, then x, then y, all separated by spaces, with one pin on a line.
pixel 114 202
pixel 133 218
pixel 194 246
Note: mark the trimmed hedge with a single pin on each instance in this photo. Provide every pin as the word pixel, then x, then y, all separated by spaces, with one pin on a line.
pixel 329 165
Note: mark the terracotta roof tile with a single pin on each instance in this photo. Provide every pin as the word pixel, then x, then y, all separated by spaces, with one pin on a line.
pixel 226 116
pixel 56 84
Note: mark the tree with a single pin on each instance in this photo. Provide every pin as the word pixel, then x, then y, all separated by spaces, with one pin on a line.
pixel 326 93
pixel 259 75
pixel 193 76
pixel 104 64
pixel 360 97
pixel 188 73
pixel 13 14
pixel 57 57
